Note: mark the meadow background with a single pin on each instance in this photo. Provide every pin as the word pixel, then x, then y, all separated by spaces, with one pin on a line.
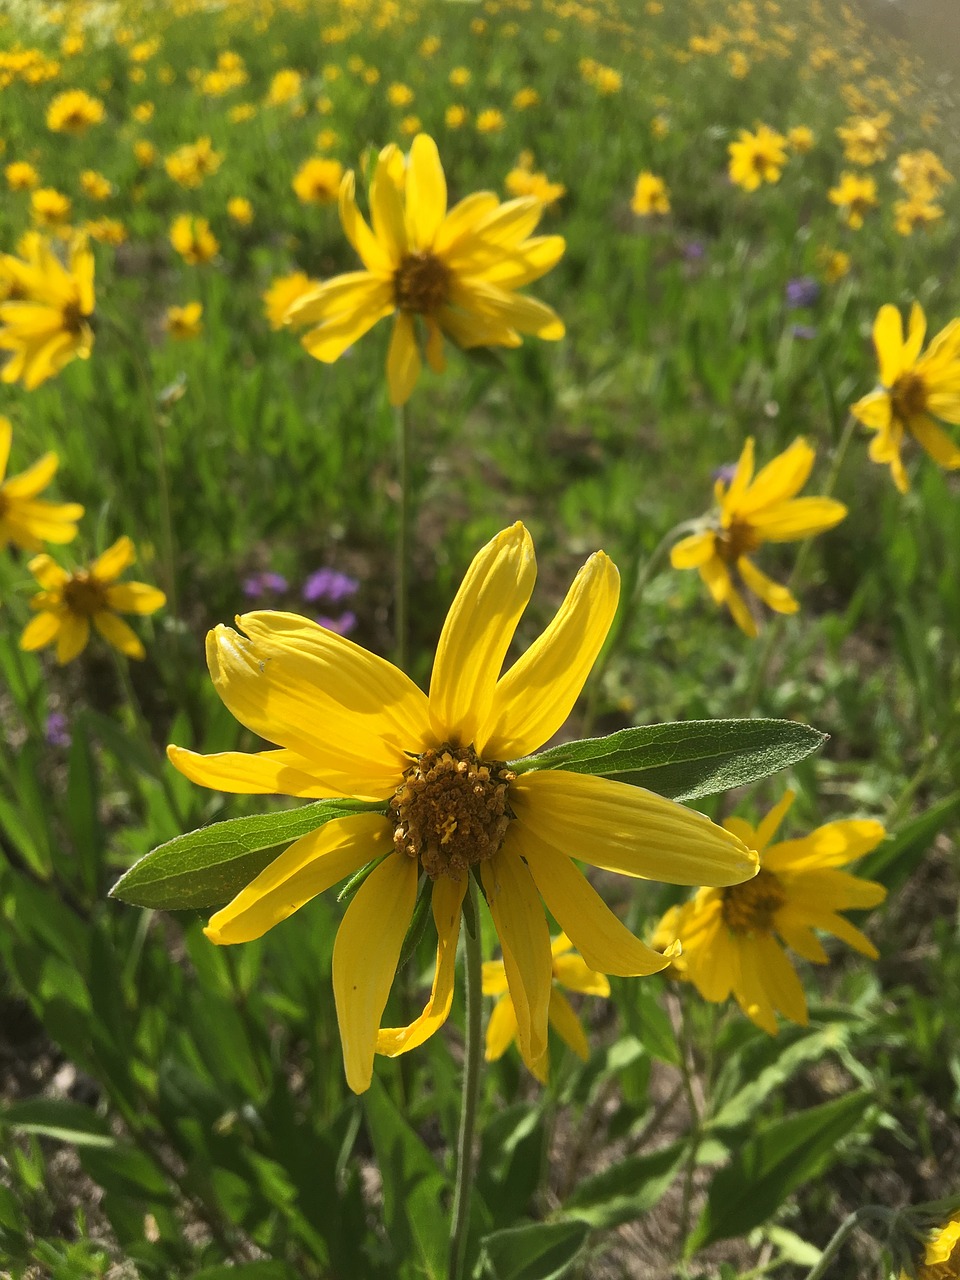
pixel 168 1108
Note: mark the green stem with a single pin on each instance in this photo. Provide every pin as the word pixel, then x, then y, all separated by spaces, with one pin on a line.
pixel 921 773
pixel 402 427
pixel 690 1166
pixel 143 727
pixel 774 630
pixel 846 1227
pixel 636 576
pixel 471 1087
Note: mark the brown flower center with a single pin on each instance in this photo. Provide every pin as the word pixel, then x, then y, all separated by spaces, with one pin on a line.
pixel 421 283
pixel 737 541
pixel 84 594
pixel 909 396
pixel 72 318
pixel 752 906
pixel 451 810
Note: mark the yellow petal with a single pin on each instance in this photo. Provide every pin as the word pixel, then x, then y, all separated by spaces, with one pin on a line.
pixel 741 479
pixel 716 576
pixel 770 592
pixel 798 935
pixel 567 1025
pixel 329 340
pixel 691 552
pixel 505 226
pixel 280 773
pixel 447 903
pixel 826 888
pixel 936 442
pixel 468 330
pixel 629 830
pixel 780 979
pixel 6 436
pixel 525 941
pixel 888 341
pixel 529 262
pixel 832 845
pixel 798 518
pixel 135 597
pixel 426 192
pixel 874 410
pixel 916 331
pixel 461 220
pixel 840 927
pixel 47 572
pixel 365 957
pixel 713 960
pixel 741 613
pixel 770 824
pixel 350 295
pixel 295 683
pixel 514 310
pixel 435 356
pixel 751 992
pixel 501 1029
pixel 114 560
pixel 386 209
pixel 403 360
pixel 40 631
pixel 534 698
pixel 372 254
pixel 494 978
pixel 72 637
pixel 32 520
pixel 606 944
pixel 32 481
pixel 477 633
pixel 575 974
pixel 780 479
pixel 118 634
pixel 311 865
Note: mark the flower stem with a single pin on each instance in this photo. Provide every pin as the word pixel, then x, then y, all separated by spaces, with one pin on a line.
pixel 846 1227
pixel 402 427
pixel 471 1088
pixel 637 575
pixel 143 728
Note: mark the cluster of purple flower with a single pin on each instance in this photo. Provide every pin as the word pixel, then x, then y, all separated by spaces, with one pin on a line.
pixel 326 586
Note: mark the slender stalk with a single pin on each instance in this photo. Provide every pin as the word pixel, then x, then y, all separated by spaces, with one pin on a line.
pixel 401 572
pixel 690 1166
pixel 471 1088
pixel 143 727
pixel 846 1227
pixel 637 574
pixel 774 630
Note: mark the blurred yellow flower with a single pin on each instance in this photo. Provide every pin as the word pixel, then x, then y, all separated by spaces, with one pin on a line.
pixel 460 77
pixel 349 723
pixel 457 271
pixel 490 120
pixel 455 116
pixel 410 126
pixel 240 210
pixel 650 195
pixel 145 153
pixel 865 139
pixel 739 64
pixel 659 126
pixel 800 139
pixel 326 139
pixel 317 181
pixel 751 511
pixel 25 519
pixel 49 207
pixel 69 602
pixel 47 323
pixel 855 197
pixel 95 185
pixel 834 263
pixel 241 113
pixel 914 391
pixel 283 293
pixel 914 212
pixel 608 81
pixel 143 112
pixel 185 322
pixel 523 99
pixel 941 1255
pixel 522 182
pixel 105 230
pixel 284 87
pixel 190 164
pixel 729 936
pixel 193 239
pixel 757 157
pixel 570 971
pixel 21 176
pixel 922 174
pixel 399 95
pixel 74 112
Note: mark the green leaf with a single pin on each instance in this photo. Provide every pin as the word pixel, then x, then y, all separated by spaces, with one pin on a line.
pixel 626 1190
pixel 743 1106
pixel 782 1156
pixel 414 1189
pixel 250 1270
pixel 537 1251
pixel 208 867
pixel 685 759
pixel 83 799
pixel 59 1119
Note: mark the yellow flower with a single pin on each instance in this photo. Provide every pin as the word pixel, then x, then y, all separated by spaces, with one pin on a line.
pixel 105 230
pixel 283 293
pixel 739 64
pixel 317 181
pixel 754 510
pixel 941 1258
pixel 240 210
pixel 801 139
pixel 757 157
pixel 865 138
pixel 26 520
pixel 95 185
pixel 190 164
pixel 459 271
pixel 650 195
pixel 570 971
pixel 455 116
pixel 914 390
pixel 490 120
pixel 47 324
pixel 835 264
pixel 448 805
pixel 21 176
pixel 399 95
pixel 429 46
pixel 185 322
pixel 608 81
pixel 143 112
pixel 74 112
pixel 327 139
pixel 521 182
pixel 659 126
pixel 145 153
pixel 921 174
pixel 241 113
pixel 460 76
pixel 69 602
pixel 193 239
pixel 855 197
pixel 284 87
pixel 410 126
pixel 49 207
pixel 523 99
pixel 914 212
pixel 729 936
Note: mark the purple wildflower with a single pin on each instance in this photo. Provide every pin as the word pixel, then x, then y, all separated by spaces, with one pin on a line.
pixel 57 730
pixel 259 584
pixel 804 291
pixel 342 625
pixel 329 584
